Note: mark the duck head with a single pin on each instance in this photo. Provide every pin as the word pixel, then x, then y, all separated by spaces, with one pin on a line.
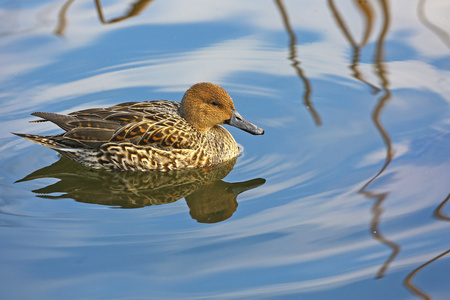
pixel 206 105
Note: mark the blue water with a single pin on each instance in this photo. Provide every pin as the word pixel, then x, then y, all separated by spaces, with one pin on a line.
pixel 352 175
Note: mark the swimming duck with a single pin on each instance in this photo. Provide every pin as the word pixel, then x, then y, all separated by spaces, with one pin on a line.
pixel 158 135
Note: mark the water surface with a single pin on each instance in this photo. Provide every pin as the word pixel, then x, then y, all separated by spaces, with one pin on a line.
pixel 345 196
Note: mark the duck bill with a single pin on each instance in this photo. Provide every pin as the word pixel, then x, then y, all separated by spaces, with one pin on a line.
pixel 238 121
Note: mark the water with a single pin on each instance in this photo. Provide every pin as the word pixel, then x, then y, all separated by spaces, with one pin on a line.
pixel 345 196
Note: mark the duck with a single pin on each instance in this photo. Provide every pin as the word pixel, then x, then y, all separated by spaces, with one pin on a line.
pixel 157 135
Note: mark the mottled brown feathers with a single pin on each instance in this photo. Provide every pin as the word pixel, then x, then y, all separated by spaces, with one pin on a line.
pixel 152 135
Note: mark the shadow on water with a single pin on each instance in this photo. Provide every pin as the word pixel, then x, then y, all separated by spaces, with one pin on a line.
pixel 209 198
pixel 296 64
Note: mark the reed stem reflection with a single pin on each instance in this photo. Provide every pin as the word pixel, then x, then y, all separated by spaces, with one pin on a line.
pixel 438 212
pixel 368 13
pixel 136 9
pixel 443 35
pixel 296 64
pixel 408 280
pixel 209 198
pixel 412 287
pixel 381 72
pixel 376 118
pixel 62 20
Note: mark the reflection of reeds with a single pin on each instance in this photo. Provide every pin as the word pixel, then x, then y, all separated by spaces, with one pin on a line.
pixel 438 212
pixel 367 11
pixel 62 20
pixel 408 280
pixel 135 10
pixel 376 118
pixel 376 115
pixel 442 34
pixel 377 211
pixel 296 64
pixel 381 72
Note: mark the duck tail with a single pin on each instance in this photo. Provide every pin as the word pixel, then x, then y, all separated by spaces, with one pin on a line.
pixel 48 141
pixel 67 147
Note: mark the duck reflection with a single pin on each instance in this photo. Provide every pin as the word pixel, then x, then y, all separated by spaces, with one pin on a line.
pixel 209 198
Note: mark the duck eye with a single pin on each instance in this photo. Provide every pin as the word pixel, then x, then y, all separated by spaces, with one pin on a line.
pixel 214 103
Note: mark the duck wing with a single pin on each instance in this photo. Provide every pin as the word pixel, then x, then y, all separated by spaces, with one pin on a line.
pixel 162 130
pixel 149 123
